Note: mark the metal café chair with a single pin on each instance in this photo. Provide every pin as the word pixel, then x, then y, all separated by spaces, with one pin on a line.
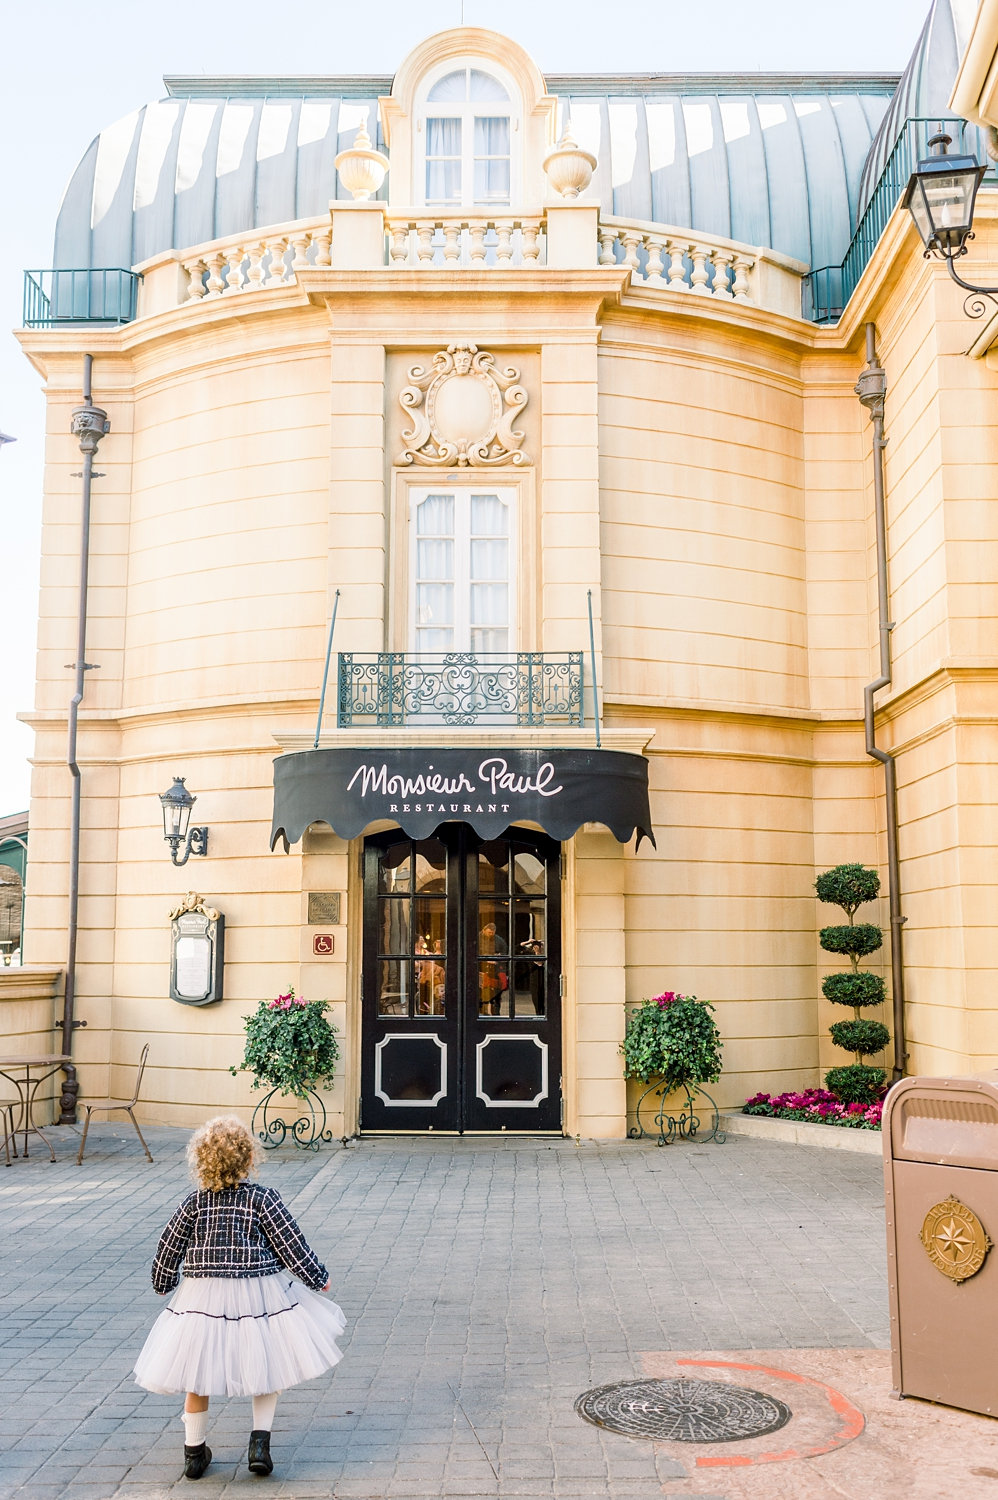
pixel 108 1106
pixel 7 1107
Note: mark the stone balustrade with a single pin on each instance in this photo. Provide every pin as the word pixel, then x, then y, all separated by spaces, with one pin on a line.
pixel 678 259
pixel 422 239
pixel 266 259
pixel 657 256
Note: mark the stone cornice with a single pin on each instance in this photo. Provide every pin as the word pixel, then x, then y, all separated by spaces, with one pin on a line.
pixel 31 982
pixel 434 290
pixel 440 736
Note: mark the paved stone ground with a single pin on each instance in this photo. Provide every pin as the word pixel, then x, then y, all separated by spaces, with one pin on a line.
pixel 487 1283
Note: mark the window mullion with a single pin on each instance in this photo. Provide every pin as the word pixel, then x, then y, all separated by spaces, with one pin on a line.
pixel 468 158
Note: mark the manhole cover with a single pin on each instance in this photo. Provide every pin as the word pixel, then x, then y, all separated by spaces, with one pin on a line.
pixel 683 1411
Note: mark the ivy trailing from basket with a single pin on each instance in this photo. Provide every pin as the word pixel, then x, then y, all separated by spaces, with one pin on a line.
pixel 850 886
pixel 290 1045
pixel 674 1038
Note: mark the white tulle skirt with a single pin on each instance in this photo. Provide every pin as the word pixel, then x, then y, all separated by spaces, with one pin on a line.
pixel 240 1336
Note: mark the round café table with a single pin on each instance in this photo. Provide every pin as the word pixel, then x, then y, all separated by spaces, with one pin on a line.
pixel 27 1074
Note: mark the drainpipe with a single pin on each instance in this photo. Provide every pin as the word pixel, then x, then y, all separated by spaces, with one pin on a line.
pixel 89 425
pixel 871 388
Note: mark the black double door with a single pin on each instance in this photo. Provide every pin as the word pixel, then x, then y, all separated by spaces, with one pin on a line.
pixel 462 982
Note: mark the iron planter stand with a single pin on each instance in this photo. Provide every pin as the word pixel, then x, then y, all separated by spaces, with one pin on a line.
pixel 308 1132
pixel 677 1127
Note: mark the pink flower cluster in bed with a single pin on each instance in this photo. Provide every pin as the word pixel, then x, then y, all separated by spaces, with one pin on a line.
pixel 815 1105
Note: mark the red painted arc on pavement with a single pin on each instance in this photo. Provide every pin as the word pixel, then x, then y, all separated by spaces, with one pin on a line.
pixel 853 1421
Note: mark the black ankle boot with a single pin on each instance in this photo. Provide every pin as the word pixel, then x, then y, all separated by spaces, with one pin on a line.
pixel 196 1460
pixel 259 1460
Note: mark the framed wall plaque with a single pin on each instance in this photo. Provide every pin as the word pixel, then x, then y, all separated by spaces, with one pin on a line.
pixel 324 908
pixel 197 956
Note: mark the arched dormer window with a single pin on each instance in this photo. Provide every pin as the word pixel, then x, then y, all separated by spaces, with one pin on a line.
pixel 466 127
pixel 467 124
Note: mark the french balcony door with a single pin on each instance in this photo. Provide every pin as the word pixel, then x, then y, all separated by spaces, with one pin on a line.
pixel 462 982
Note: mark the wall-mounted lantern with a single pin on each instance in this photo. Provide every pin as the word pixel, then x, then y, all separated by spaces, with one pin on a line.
pixel 940 197
pixel 177 803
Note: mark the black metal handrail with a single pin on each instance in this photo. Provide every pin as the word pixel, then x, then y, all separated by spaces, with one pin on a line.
pixel 527 688
pixel 106 294
pixel 826 291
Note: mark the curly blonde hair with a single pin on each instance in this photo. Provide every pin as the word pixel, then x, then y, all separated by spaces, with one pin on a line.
pixel 221 1154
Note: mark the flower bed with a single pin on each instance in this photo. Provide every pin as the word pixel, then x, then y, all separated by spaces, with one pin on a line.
pixel 817 1107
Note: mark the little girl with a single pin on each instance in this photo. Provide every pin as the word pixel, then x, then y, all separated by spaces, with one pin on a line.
pixel 239 1325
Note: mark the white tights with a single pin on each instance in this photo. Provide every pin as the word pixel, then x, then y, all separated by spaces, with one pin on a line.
pixel 196 1422
pixel 263 1411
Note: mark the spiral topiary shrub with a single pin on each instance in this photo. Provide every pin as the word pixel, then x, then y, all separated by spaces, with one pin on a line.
pixel 849 886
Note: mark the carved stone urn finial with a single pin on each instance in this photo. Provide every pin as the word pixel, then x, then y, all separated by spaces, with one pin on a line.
pixel 361 168
pixel 569 168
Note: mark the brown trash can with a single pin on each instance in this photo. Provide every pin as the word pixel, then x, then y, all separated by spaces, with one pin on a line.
pixel 940 1138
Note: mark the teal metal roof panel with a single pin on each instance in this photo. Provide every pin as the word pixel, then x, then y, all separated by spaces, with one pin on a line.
pixel 774 166
pixel 925 85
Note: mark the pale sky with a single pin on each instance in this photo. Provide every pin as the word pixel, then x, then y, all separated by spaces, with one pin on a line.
pixel 67 72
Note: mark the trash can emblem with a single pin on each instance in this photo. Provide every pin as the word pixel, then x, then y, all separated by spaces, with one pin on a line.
pixel 955 1239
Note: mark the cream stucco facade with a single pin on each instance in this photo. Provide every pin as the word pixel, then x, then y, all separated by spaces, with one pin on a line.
pixel 696 457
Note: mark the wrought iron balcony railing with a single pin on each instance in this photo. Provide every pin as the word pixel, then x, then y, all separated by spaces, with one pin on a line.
pixel 826 290
pixel 526 688
pixel 107 295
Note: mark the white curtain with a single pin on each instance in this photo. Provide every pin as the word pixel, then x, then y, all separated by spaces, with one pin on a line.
pixel 435 573
pixel 492 159
pixel 489 574
pixel 443 161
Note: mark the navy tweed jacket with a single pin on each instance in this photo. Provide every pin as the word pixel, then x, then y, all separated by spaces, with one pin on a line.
pixel 240 1232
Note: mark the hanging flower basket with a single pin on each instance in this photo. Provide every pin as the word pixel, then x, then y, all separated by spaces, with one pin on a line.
pixel 291 1049
pixel 672 1044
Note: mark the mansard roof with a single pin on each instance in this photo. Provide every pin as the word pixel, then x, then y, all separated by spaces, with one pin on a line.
pixel 768 160
pixel 925 86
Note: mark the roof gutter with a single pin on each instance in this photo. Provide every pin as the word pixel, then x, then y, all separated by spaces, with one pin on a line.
pixel 975 92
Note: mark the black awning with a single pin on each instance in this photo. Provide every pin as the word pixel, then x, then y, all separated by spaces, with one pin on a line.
pixel 419 789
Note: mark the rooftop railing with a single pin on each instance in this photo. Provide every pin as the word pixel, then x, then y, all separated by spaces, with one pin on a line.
pixel 80 296
pixel 393 688
pixel 826 290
